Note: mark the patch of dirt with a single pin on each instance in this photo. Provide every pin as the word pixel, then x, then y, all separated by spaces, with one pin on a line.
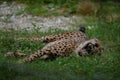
pixel 12 15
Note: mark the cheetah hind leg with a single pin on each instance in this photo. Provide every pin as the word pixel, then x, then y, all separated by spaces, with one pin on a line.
pixel 41 54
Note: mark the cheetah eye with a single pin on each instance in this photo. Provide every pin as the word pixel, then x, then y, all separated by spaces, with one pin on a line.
pixel 47 39
pixel 96 45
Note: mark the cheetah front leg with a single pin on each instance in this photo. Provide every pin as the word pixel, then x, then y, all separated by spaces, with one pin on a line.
pixel 30 39
pixel 45 39
pixel 52 38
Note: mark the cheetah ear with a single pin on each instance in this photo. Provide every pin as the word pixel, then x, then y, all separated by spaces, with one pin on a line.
pixel 82 29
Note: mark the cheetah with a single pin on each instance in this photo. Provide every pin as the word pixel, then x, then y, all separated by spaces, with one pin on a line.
pixel 66 47
pixel 63 45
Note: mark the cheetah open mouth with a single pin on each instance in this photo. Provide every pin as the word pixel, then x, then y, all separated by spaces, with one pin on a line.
pixel 90 47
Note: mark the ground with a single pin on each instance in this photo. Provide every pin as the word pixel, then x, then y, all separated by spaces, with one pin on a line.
pixel 10 18
pixel 104 67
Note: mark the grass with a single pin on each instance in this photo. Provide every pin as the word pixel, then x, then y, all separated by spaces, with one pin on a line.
pixel 68 7
pixel 105 67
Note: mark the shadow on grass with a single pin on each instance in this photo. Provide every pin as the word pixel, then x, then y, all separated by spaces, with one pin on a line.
pixel 13 71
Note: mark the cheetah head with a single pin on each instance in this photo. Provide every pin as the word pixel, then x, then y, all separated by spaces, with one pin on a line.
pixel 89 47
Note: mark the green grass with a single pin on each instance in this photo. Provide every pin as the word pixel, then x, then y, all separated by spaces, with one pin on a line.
pixel 105 67
pixel 68 7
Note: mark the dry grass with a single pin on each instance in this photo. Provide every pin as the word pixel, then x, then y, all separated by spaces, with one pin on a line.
pixel 87 8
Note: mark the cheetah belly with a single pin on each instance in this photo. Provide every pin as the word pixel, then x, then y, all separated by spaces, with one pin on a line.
pixel 62 47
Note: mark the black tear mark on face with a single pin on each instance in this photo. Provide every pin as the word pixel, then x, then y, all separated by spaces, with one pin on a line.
pixel 96 45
